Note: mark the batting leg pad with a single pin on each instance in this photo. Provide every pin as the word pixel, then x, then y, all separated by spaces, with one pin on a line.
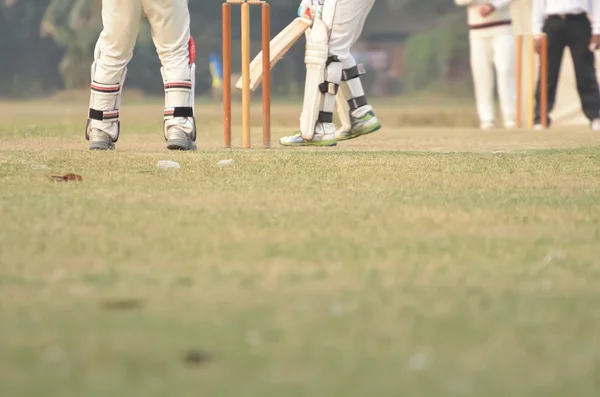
pixel 343 109
pixel 105 101
pixel 179 99
pixel 322 107
pixel 329 89
pixel 316 83
pixel 351 86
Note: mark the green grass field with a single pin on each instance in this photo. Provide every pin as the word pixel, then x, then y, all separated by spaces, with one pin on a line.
pixel 420 261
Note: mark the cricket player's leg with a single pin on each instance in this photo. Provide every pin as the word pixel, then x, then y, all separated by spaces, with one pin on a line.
pixel 170 22
pixel 505 77
pixel 361 115
pixel 351 97
pixel 481 48
pixel 323 76
pixel 113 52
pixel 328 46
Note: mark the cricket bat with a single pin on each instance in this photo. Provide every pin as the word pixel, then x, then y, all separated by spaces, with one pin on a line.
pixel 280 45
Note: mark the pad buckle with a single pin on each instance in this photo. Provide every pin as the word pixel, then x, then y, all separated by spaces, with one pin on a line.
pixel 329 88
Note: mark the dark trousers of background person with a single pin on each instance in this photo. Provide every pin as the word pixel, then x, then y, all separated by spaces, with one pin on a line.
pixel 573 31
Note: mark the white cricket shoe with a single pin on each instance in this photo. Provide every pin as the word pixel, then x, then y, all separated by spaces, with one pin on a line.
pixel 596 124
pixel 297 140
pixel 100 140
pixel 364 125
pixel 179 140
pixel 324 136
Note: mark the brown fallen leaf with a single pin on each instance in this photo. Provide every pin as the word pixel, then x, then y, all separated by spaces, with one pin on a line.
pixel 66 178
pixel 121 304
pixel 197 357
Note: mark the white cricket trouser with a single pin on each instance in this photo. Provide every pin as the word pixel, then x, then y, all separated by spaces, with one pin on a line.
pixel 348 24
pixel 170 23
pixel 489 53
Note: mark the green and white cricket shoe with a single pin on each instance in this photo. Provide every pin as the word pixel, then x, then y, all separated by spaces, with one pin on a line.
pixel 179 140
pixel 318 140
pixel 100 140
pixel 365 125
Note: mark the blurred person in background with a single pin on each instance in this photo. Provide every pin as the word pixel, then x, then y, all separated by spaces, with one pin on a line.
pixel 492 48
pixel 170 22
pixel 566 23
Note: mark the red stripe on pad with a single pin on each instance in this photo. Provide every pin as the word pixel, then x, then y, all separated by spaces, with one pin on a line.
pixel 184 84
pixel 107 88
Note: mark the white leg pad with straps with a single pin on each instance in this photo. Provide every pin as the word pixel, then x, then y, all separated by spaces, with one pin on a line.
pixel 321 83
pixel 352 89
pixel 179 99
pixel 341 101
pixel 317 52
pixel 329 90
pixel 105 102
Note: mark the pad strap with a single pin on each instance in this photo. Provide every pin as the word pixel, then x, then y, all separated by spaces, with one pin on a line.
pixel 331 59
pixel 329 88
pixel 325 117
pixel 106 115
pixel 180 112
pixel 359 102
pixel 353 72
